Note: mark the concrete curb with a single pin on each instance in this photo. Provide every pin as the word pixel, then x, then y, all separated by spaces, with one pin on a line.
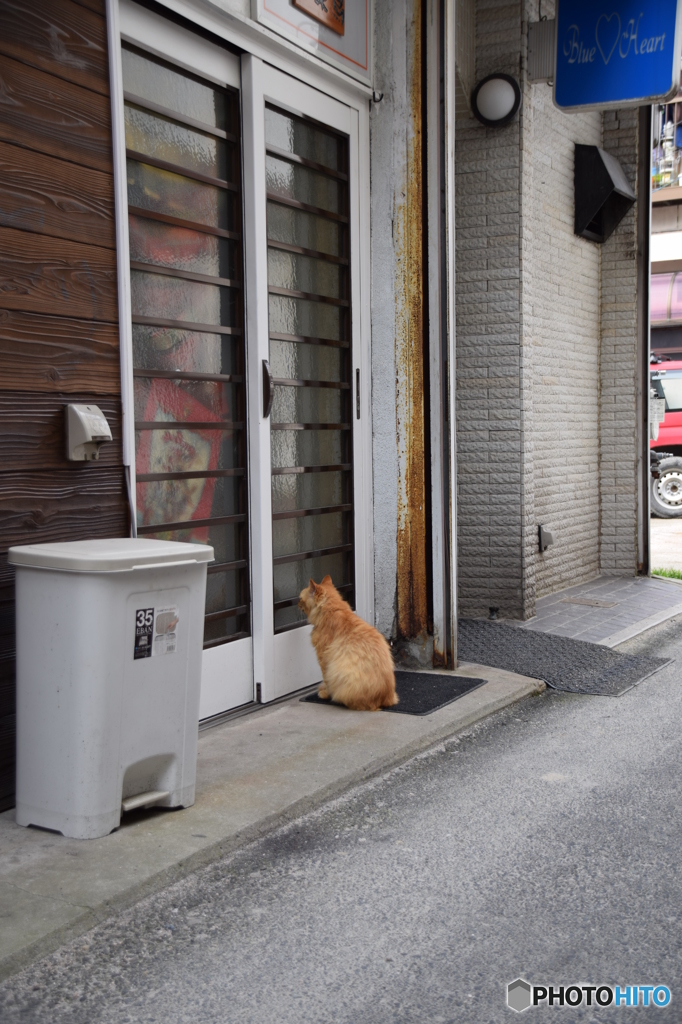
pixel 107 909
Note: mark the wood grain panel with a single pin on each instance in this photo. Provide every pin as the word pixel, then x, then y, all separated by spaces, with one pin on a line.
pixel 6 571
pixel 7 747
pixel 58 37
pixel 7 686
pixel 52 116
pixel 39 507
pixel 7 638
pixel 32 434
pixel 98 6
pixel 39 274
pixel 58 354
pixel 52 197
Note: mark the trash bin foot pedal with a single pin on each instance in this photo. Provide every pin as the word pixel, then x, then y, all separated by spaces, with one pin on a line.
pixel 131 803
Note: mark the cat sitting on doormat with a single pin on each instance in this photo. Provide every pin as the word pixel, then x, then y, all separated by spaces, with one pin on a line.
pixel 356 661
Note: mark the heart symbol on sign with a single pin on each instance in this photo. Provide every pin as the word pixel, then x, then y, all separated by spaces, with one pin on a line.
pixel 610 34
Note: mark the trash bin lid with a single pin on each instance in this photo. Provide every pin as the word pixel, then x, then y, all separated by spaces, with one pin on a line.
pixel 112 555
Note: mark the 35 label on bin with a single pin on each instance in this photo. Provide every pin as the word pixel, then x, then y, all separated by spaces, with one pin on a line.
pixel 144 632
pixel 156 631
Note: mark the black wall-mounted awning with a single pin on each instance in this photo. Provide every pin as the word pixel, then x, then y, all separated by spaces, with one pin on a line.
pixel 603 194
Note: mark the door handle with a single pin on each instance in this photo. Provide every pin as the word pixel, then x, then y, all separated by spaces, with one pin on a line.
pixel 268 391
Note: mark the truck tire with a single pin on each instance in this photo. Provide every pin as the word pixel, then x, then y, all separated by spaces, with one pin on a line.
pixel 666 492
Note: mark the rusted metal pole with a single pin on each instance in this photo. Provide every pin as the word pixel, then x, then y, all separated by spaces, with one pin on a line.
pixel 412 534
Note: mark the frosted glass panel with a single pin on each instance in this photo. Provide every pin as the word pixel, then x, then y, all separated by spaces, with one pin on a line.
pixel 171 87
pixel 309 405
pixel 304 185
pixel 164 139
pixel 307 533
pixel 172 348
pixel 227 540
pixel 225 629
pixel 309 447
pixel 186 401
pixel 297 360
pixel 309 319
pixel 178 501
pixel 161 191
pixel 167 245
pixel 308 490
pixel 304 274
pixel 181 404
pixel 171 298
pixel 186 450
pixel 304 139
pixel 310 231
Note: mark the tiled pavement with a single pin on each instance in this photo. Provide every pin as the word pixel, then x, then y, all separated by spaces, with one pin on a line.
pixel 609 609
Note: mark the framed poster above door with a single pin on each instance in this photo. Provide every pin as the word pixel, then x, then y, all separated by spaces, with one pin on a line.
pixel 337 31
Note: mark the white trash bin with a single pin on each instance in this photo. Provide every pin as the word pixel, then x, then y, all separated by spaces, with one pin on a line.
pixel 109 647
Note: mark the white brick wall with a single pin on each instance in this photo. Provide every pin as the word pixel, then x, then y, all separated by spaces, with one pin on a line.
pixel 561 289
pixel 491 524
pixel 618 456
pixel 534 340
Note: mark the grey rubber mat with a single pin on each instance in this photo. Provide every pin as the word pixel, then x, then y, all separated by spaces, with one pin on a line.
pixel 563 663
pixel 420 693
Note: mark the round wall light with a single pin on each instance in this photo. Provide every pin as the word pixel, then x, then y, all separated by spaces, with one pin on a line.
pixel 495 100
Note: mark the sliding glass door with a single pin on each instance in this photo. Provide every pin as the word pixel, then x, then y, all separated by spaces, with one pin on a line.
pixel 185 230
pixel 310 359
pixel 243 222
pixel 301 344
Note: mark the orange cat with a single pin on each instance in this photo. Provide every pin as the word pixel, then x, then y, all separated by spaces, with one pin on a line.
pixel 356 662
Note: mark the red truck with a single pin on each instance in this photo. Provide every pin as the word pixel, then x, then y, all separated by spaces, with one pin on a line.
pixel 666 489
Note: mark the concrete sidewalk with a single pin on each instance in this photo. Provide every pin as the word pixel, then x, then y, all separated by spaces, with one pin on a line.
pixel 254 774
pixel 607 610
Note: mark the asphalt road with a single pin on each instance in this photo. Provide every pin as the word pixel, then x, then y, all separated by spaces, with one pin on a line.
pixel 544 844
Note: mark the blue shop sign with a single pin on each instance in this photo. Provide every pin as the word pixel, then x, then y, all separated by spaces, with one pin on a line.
pixel 616 53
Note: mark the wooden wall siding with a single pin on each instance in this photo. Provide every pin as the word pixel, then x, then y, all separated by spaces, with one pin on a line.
pixel 98 6
pixel 55 198
pixel 6 626
pixel 66 504
pixel 42 112
pixel 39 274
pixel 32 437
pixel 58 297
pixel 6 581
pixel 58 354
pixel 63 39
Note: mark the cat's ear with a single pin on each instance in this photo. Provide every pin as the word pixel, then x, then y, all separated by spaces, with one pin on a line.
pixel 327 579
pixel 313 585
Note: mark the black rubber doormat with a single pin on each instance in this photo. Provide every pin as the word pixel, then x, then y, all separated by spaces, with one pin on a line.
pixel 421 693
pixel 563 663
